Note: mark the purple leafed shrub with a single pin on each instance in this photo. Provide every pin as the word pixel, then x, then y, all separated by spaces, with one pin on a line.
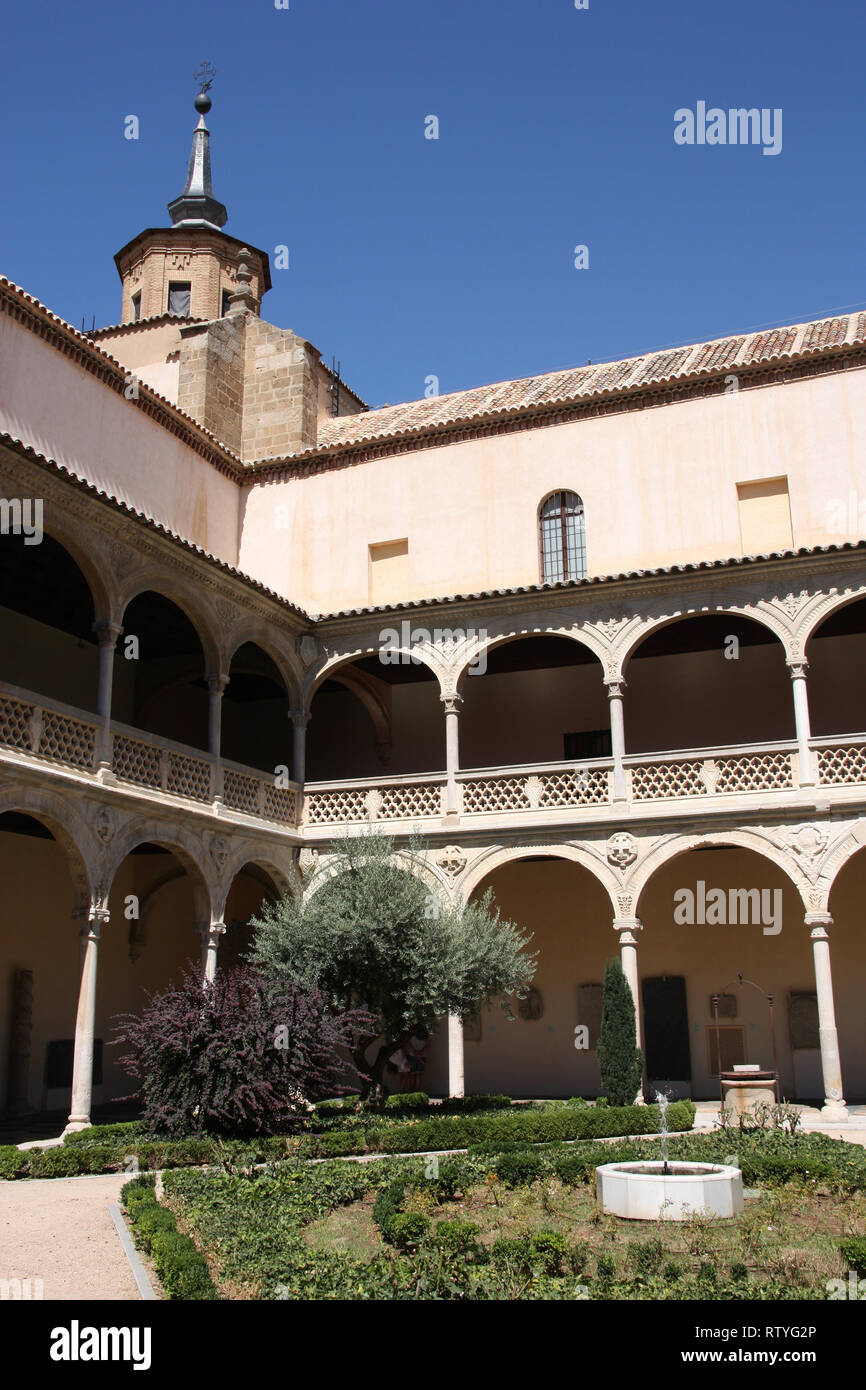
pixel 237 1056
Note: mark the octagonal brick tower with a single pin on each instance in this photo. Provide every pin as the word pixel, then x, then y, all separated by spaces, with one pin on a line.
pixel 190 268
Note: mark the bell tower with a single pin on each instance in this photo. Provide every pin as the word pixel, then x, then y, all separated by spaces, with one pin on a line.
pixel 189 270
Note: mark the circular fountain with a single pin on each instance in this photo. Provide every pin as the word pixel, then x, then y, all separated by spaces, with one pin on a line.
pixel 666 1189
pixel 662 1190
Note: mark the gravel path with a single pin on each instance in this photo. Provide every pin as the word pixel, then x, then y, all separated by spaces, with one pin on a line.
pixel 60 1230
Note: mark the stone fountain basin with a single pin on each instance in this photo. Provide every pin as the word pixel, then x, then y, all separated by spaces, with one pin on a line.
pixel 642 1191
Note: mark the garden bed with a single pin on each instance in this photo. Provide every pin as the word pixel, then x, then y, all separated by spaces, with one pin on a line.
pixel 523 1224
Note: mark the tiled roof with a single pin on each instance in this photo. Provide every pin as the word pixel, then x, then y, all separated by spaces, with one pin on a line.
pixel 130 327
pixel 653 370
pixel 595 580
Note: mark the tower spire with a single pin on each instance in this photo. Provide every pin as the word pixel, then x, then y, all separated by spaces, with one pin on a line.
pixel 197 204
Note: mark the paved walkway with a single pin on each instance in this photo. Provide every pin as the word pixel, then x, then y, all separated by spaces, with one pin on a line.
pixel 60 1230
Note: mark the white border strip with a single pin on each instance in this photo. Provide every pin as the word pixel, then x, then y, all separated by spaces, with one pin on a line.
pixel 139 1273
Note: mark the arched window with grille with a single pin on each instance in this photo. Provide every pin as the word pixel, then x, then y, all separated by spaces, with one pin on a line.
pixel 562 537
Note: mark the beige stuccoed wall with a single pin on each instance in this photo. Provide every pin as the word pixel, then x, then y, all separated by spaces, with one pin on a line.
pixel 68 415
pixel 659 487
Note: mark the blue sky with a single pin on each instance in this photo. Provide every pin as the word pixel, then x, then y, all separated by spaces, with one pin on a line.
pixel 455 257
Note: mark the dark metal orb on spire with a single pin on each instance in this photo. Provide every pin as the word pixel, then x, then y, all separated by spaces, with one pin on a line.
pixel 205 76
pixel 197 204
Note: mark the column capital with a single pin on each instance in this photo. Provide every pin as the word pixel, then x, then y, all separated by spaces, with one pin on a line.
pixel 216 684
pixel 92 919
pixel 615 687
pixel 107 632
pixel 210 930
pixel 452 702
pixel 300 717
pixel 797 667
pixel 628 927
pixel 818 922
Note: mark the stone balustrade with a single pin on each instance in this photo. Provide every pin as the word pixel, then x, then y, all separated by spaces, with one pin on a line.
pixel 58 735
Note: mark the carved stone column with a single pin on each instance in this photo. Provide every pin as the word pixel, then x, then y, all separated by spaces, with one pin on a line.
pixel 456 1076
pixel 107 635
pixel 834 1107
pixel 210 934
pixel 615 689
pixel 452 703
pixel 798 671
pixel 216 685
pixel 300 719
pixel 85 1021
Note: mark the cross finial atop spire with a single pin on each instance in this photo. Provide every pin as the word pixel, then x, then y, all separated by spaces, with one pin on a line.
pixel 197 204
pixel 205 75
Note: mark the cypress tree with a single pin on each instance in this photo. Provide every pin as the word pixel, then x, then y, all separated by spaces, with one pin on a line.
pixel 618 1053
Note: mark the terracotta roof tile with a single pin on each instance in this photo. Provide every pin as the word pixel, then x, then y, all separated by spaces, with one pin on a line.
pixel 579 383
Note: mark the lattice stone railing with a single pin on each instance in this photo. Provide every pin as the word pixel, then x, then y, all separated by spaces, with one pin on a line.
pixel 841 762
pixel 399 800
pixel 258 795
pixel 47 732
pixel 60 735
pixel 770 770
pixel 536 789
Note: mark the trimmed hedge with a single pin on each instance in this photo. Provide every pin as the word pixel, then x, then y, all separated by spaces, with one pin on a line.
pixel 181 1270
pixel 112 1148
pixel 536 1127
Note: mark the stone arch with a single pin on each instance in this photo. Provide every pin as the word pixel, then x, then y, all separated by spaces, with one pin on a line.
pixel 186 598
pixel 69 830
pixel 675 845
pixel 186 847
pixel 497 856
pixel 252 632
pixel 244 857
pixel 835 857
pixel 821 607
pixel 418 864
pixel 67 535
pixel 697 609
pixel 330 670
pixel 373 724
pixel 455 678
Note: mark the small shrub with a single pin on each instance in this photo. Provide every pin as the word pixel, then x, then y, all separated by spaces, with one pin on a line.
pixel 605 1269
pixel 234 1055
pixel 14 1162
pixel 518 1168
pixel 645 1257
pixel 549 1251
pixel 406 1229
pixel 854 1251
pixel 456 1238
pixel 512 1254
